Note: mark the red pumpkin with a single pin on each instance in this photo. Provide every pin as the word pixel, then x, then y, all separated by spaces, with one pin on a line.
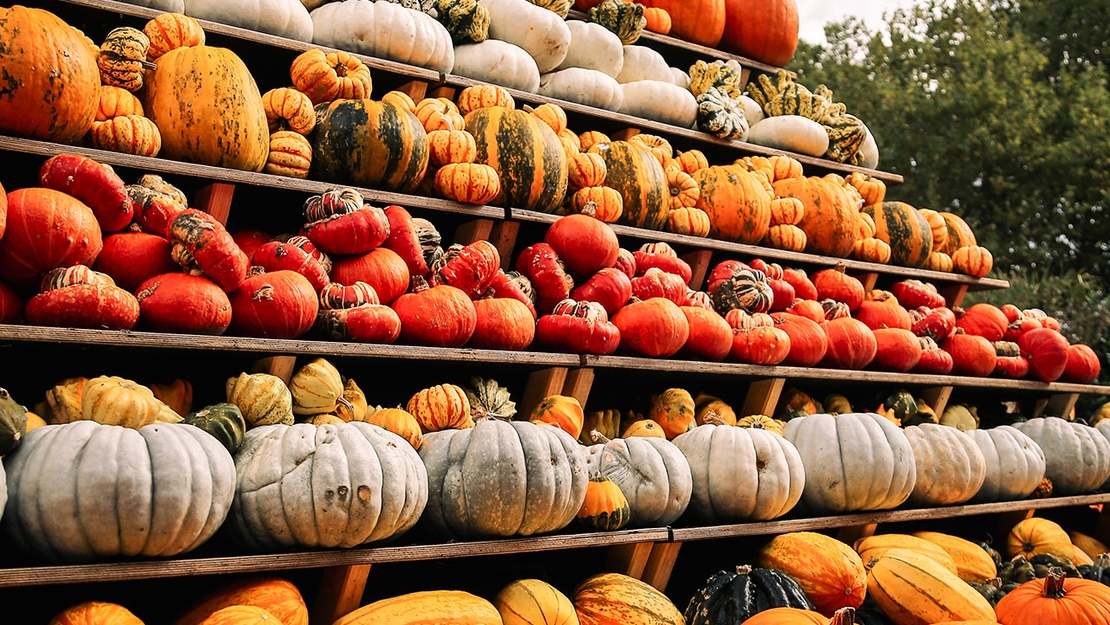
pixel 95 184
pixel 88 303
pixel 710 336
pixel 276 255
pixel 808 342
pixel 504 286
pixel 367 323
pixel 131 257
pixel 808 308
pixel 356 232
pixel 696 21
pixel 1011 367
pixel 470 268
pixel 934 360
pixel 578 328
pixel 609 287
pixel 1012 312
pixel 1020 326
pixel 280 304
pixel 583 243
pixel 658 283
pixel 157 203
pixel 665 258
pixel 181 303
pixel 403 240
pixel 803 286
pixel 1083 365
pixel 381 268
pixel 897 349
pixel 882 309
pixel 250 240
pixel 655 327
pixel 784 294
pixel 502 323
pixel 437 316
pixel 1047 353
pixel 851 344
pixel 836 284
pixel 11 305
pixel 201 244
pixel 763 30
pixel 914 293
pixel 984 320
pixel 763 345
pixel 935 323
pixel 971 354
pixel 540 263
pixel 626 262
pixel 46 229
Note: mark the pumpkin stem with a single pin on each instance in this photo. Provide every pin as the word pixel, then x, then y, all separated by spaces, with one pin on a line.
pixel 713 418
pixel 598 437
pixel 1054 584
pixel 995 582
pixel 590 209
pixel 844 616
pixel 871 562
pixel 743 569
pixel 419 284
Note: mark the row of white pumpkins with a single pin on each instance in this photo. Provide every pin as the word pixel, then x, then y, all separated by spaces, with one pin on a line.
pixel 84 491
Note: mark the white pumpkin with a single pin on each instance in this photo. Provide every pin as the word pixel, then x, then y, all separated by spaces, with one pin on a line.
pixel 592 46
pixel 660 101
pixel 584 86
pixel 498 62
pixel 793 133
pixel 950 466
pixel 752 111
pixel 870 151
pixel 284 18
pixel 680 77
pixel 652 473
pixel 1015 464
pixel 741 474
pixel 385 30
pixel 854 462
pixel 1077 456
pixel 3 490
pixel 643 63
pixel 169 6
pixel 541 33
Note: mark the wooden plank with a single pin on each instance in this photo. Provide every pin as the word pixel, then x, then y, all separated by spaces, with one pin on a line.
pixel 415 89
pixel 503 237
pixel 540 384
pixel 937 397
pixel 1060 405
pixel 625 135
pixel 215 199
pixel 1101 530
pixel 474 230
pixel 660 564
pixel 340 592
pixel 629 559
pixel 281 366
pixel 849 534
pixel 699 267
pixel 1007 521
pixel 578 383
pixel 762 397
pixel 442 91
pixel 868 279
pixel 953 294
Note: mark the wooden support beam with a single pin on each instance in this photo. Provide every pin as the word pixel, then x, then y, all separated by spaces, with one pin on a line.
pixel 503 237
pixel 475 230
pixel 281 366
pixel 762 397
pixel 868 280
pixel 1006 522
pixel 629 559
pixel 953 294
pixel 937 397
pixel 341 589
pixel 1102 526
pixel 578 383
pixel 660 564
pixel 851 533
pixel 442 91
pixel 541 383
pixel 215 199
pixel 1060 405
pixel 415 89
pixel 699 267
pixel 624 135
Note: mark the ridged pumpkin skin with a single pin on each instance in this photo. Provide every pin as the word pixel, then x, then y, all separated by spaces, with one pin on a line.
pixel 51 79
pixel 241 615
pixel 637 175
pixel 973 563
pixel 651 471
pixel 278 596
pixel 950 466
pixel 738 206
pixel 534 602
pixel 525 152
pixel 207 108
pixel 830 218
pixel 830 572
pixel 616 599
pixel 1065 441
pixel 442 607
pixel 912 589
pixel 178 483
pixel 96 613
pixel 369 143
pixel 905 229
pixel 1080 601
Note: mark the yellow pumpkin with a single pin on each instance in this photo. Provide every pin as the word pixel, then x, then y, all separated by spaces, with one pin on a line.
pixel 534 602
pixel 1038 535
pixel 673 410
pixel 561 411
pixel 644 427
pixel 400 422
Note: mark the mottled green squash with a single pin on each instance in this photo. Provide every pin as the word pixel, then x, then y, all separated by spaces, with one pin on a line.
pixel 223 421
pixel 527 154
pixel 639 178
pixel 905 229
pixel 369 143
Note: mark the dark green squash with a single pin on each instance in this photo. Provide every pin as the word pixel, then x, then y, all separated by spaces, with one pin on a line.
pixel 527 154
pixel 368 143
pixel 732 597
pixel 13 423
pixel 223 421
pixel 624 19
pixel 637 175
pixel 466 20
pixel 906 231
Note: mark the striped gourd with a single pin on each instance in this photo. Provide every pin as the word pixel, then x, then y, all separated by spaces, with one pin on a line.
pixel 616 599
pixel 737 203
pixel 526 153
pixel 973 563
pixel 846 136
pixel 632 170
pixel 912 589
pixel 369 143
pixel 875 546
pixel 443 607
pixel 959 233
pixel 905 229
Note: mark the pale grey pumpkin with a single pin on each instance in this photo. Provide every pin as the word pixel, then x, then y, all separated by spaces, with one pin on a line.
pixel 652 473
pixel 950 466
pixel 1015 463
pixel 1077 456
pixel 83 491
pixel 334 485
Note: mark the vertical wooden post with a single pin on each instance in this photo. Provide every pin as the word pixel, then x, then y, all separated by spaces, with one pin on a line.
pixel 953 294
pixel 503 237
pixel 215 199
pixel 415 89
pixel 340 592
pixel 541 383
pixel 762 397
pixel 471 231
pixel 281 366
pixel 629 559
pixel 1007 521
pixel 442 91
pixel 868 280
pixel 851 533
pixel 660 564
pixel 937 397
pixel 699 267
pixel 1059 405
pixel 624 135
pixel 578 383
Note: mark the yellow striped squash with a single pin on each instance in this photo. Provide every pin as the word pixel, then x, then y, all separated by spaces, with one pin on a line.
pixel 912 589
pixel 441 607
pixel 875 546
pixel 617 599
pixel 973 563
pixel 534 602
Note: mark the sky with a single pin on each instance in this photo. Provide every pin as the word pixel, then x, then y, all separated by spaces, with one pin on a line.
pixel 814 14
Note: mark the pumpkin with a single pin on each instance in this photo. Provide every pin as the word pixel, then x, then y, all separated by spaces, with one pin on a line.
pixel 181 501
pixel 502 323
pixel 1083 366
pixel 605 508
pixel 533 601
pixel 877 472
pixel 525 152
pixel 808 342
pixel 532 478
pixel 733 597
pixel 223 421
pixel 367 505
pixel 959 233
pixel 561 411
pixel 851 344
pixel 829 218
pixel 618 598
pixel 710 336
pixel 441 407
pixel 276 256
pixel 971 355
pixel 829 571
pixel 652 473
pixel 897 349
pixel 584 244
pixel 1035 535
pixel 973 563
pixel 721 115
pixel 1060 599
pixel 276 595
pixel 441 316
pixel 382 268
pixel 450 607
pixel 578 327
pixel 738 206
pixel 655 327
pixel 181 303
pixel 673 410
pixel 906 231
pixel 1064 441
pixel 641 181
pixel 386 30
pixel 913 589
pixel 699 21
pixel 369 143
pixel 171 30
pixel 400 422
pixel 80 298
pixel 657 20
pixel 950 465
pixel 658 99
pixel 201 245
pixel 1047 352
pixel 46 229
pixel 764 31
pixel 132 257
pixel 277 304
pixel 95 613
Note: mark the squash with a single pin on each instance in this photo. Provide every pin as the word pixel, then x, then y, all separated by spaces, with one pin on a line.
pixel 973 563
pixel 1055 598
pixel 874 546
pixel 546 37
pixel 369 143
pixel 1015 463
pixel 466 20
pixel 738 205
pixel 284 18
pixel 959 233
pixel 624 18
pixel 336 485
pixel 178 480
pixel 498 62
pixel 950 466
pixel 171 30
pixel 793 133
pixel 532 602
pixel 316 387
pixel 618 598
pixel 444 607
pixel 592 46
pixel 207 108
pixel 652 473
pixel 829 220
pixel 732 597
pixel 641 181
pixel 914 590
pixel 224 421
pixel 502 478
pixel 278 596
pixel 1064 441
pixel 643 63
pixel 584 86
pixel 46 229
pixel 905 229
pixel 95 613
pixel 384 30
pixel 829 571
pixel 263 399
pixel 720 115
pixel 525 152
pixel 659 101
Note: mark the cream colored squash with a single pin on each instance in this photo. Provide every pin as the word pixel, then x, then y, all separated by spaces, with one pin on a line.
pixel 1015 464
pixel 950 466
pixel 385 30
pixel 1065 443
pixel 752 111
pixel 870 151
pixel 284 18
pixel 584 86
pixel 541 33
pixel 592 46
pixel 680 77
pixel 790 132
pixel 643 63
pixel 498 62
pixel 652 473
pixel 661 101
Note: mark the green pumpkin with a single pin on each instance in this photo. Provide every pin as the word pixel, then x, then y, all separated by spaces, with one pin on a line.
pixel 527 154
pixel 489 397
pixel 725 76
pixel 368 143
pixel 732 597
pixel 905 229
pixel 639 178
pixel 721 115
pixel 223 421
pixel 466 20
pixel 13 423
pixel 903 405
pixel 625 19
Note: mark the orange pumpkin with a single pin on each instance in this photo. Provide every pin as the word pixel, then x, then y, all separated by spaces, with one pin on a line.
pixel 288 108
pixel 585 169
pixel 787 210
pixel 696 21
pixel 326 77
pixel 441 407
pixel 561 411
pixel 602 203
pixel 786 237
pixel 400 422
pixel 1056 600
pixel 684 189
pixel 241 615
pixel 470 183
pixel 451 146
pixel 829 571
pixel 905 229
pixel 276 595
pixel 973 260
pixel 830 218
pixel 738 206
pixel 764 30
pixel 481 96
pixel 690 220
pixel 691 160
pixel 169 31
pixel 96 613
pixel 117 101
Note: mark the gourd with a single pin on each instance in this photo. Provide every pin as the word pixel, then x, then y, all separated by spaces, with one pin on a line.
pixel 91 612
pixel 541 33
pixel 533 601
pixel 619 598
pixel 661 101
pixel 447 607
pixel 905 229
pixel 263 399
pixel 498 62
pixel 179 483
pixel 973 563
pixel 605 508
pixel 276 595
pixel 284 18
pixel 592 46
pixel 790 132
pixel 637 175
pixel 316 388
pixel 736 201
pixel 829 571
pixel 584 86
pixel 1015 463
pixel 912 589
pixel 652 473
pixel 625 19
pixel 643 63
pixel 336 485
pixel 950 466
pixel 1056 598
pixel 488 398
pixel 829 219
pixel 466 20
pixel 385 30
pixel 732 597
pixel 721 115
pixel 224 421
pixel 502 478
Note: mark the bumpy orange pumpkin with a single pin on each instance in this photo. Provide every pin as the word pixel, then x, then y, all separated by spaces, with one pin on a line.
pixel 739 207
pixel 441 407
pixel 326 77
pixel 172 30
pixel 130 134
pixel 96 613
